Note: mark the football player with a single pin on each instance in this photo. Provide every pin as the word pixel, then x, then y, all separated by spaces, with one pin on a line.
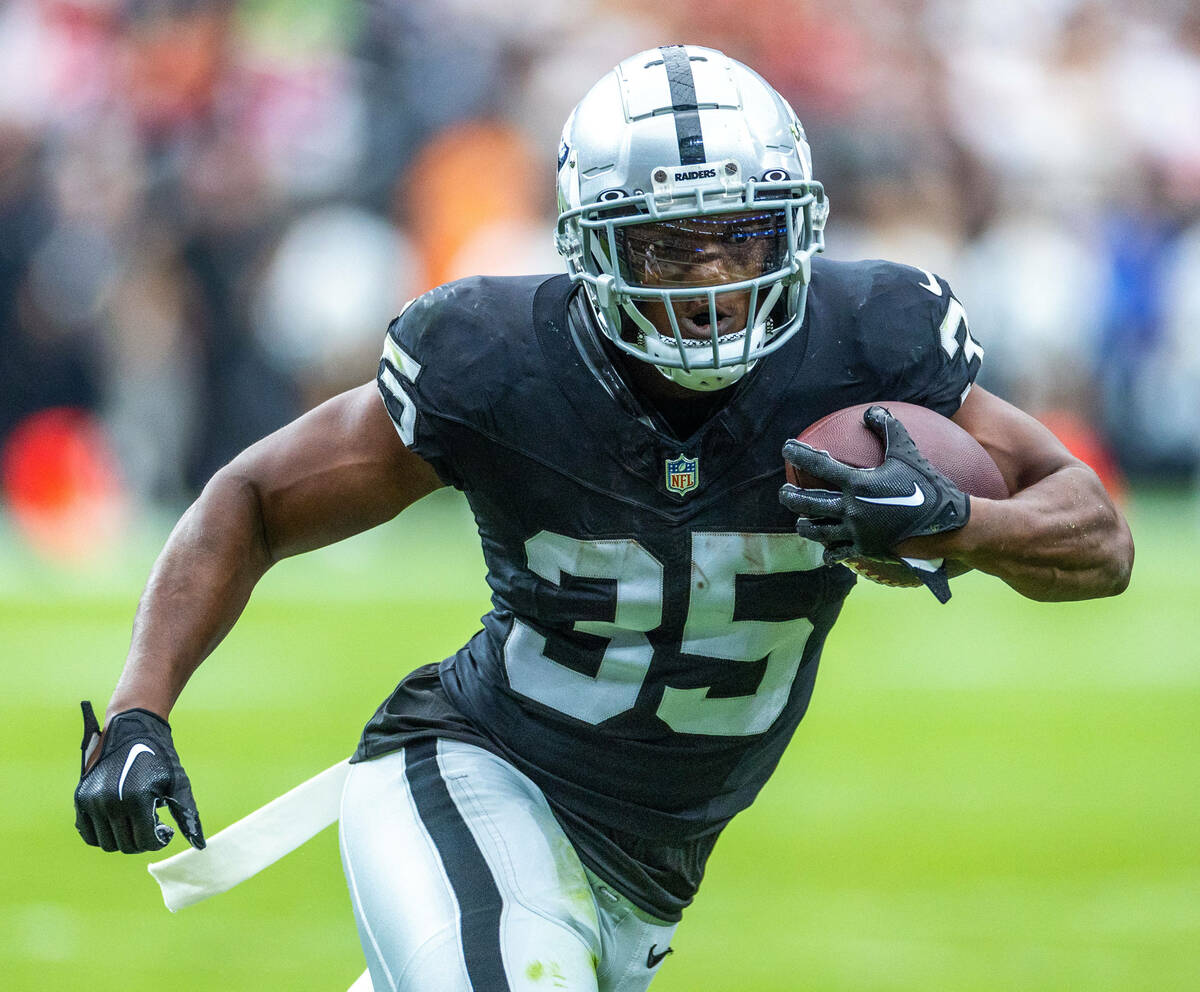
pixel 541 804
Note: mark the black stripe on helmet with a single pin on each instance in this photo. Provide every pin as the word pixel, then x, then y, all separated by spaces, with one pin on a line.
pixel 683 102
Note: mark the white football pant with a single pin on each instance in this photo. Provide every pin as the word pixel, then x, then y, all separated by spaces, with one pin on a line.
pixel 462 880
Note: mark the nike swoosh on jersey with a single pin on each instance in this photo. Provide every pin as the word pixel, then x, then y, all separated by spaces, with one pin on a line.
pixel 130 758
pixel 915 498
pixel 933 285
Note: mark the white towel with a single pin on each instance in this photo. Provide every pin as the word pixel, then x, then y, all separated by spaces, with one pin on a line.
pixel 246 847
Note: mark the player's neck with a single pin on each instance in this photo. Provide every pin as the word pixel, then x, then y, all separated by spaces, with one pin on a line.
pixel 681 411
pixel 684 410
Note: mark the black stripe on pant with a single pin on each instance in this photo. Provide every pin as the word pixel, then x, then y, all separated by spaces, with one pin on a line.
pixel 479 900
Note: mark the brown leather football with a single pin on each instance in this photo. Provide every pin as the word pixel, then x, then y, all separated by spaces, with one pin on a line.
pixel 947 446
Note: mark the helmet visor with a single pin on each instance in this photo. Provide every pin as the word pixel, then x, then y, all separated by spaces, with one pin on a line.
pixel 706 250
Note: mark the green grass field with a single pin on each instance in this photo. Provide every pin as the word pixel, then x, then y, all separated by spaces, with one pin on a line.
pixel 991 795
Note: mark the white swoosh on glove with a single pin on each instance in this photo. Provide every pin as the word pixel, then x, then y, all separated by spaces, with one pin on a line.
pixel 130 758
pixel 915 498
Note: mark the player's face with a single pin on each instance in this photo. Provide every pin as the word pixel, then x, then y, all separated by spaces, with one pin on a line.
pixel 702 252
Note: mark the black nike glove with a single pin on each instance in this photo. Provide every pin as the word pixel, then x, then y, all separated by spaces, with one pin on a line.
pixel 117 799
pixel 875 509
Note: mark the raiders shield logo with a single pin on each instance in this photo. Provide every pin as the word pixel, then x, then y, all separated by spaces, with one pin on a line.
pixel 683 474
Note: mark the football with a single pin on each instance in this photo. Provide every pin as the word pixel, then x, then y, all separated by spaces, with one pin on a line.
pixel 947 446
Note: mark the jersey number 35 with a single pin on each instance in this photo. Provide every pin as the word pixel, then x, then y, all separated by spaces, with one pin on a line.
pixel 709 631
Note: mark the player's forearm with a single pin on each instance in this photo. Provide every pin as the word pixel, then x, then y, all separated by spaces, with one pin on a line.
pixel 197 589
pixel 1059 539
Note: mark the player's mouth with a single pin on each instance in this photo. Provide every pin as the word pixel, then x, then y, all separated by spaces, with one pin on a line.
pixel 695 320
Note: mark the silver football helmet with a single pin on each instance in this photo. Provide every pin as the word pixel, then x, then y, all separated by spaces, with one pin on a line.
pixel 683 180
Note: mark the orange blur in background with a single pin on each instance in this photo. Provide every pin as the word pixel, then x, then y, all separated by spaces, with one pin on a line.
pixel 62 486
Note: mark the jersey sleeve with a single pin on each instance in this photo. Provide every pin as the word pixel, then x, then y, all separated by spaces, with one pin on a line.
pixel 404 384
pixel 928 355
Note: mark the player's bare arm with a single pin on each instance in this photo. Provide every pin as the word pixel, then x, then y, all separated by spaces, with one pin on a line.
pixel 336 471
pixel 1059 537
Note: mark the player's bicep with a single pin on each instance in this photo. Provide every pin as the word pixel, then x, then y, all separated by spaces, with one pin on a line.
pixel 1025 450
pixel 336 471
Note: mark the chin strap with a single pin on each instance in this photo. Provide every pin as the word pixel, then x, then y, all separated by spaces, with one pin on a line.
pixel 708 380
pixel 724 377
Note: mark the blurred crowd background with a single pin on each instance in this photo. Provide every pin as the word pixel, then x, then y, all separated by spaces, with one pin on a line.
pixel 209 209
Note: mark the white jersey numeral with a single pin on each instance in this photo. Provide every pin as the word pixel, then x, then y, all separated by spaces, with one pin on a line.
pixel 710 630
pixel 409 368
pixel 955 317
pixel 615 686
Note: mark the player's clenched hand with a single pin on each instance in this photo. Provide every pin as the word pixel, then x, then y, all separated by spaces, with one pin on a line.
pixel 873 509
pixel 137 771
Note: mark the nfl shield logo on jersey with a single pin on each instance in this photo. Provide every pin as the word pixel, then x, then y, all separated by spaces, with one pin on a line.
pixel 683 474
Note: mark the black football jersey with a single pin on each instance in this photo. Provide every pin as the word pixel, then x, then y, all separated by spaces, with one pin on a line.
pixel 656 622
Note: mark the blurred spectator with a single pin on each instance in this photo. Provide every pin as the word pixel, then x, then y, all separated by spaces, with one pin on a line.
pixel 1142 372
pixel 47 356
pixel 449 208
pixel 153 389
pixel 1037 284
pixel 317 306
